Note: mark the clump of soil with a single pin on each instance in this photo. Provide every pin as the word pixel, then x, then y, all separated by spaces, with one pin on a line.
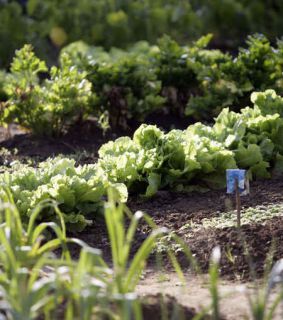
pixel 160 306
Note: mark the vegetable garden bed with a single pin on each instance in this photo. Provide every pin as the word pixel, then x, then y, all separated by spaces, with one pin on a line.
pixel 196 217
pixel 168 174
pixel 182 213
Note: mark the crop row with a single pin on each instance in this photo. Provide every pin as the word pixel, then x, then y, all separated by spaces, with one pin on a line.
pixel 193 159
pixel 127 86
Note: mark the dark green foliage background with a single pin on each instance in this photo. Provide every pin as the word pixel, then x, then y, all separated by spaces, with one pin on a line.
pixel 122 22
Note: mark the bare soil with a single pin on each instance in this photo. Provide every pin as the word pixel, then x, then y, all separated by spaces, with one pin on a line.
pixel 161 305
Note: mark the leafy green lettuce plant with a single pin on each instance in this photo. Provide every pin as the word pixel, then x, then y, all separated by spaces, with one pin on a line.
pixel 77 190
pixel 198 156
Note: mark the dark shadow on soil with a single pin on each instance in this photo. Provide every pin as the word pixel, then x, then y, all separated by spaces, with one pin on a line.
pixel 166 307
pixel 86 136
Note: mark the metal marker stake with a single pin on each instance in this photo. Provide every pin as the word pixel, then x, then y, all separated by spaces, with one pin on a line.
pixel 238 203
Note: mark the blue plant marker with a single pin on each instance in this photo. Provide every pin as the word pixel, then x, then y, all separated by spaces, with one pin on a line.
pixel 232 175
pixel 236 183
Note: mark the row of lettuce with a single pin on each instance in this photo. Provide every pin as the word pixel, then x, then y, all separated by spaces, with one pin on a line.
pixel 193 159
pixel 124 88
pixel 52 24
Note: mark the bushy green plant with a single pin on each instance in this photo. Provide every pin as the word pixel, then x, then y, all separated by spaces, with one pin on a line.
pixel 176 73
pixel 228 81
pixel 127 88
pixel 187 80
pixel 46 108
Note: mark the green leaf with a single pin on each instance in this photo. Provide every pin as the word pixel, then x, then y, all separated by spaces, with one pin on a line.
pixel 154 181
pixel 247 157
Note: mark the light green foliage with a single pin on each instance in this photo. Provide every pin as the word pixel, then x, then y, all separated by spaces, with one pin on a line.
pixel 50 107
pixel 268 102
pixel 121 159
pixel 197 157
pixel 254 135
pixel 157 160
pixel 78 191
pixel 126 160
pixel 26 66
